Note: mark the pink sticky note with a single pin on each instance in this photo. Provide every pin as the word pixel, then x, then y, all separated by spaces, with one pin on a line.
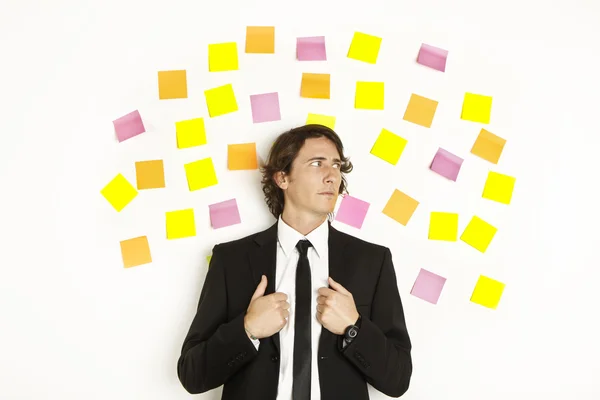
pixel 352 211
pixel 311 48
pixel 446 164
pixel 265 107
pixel 428 286
pixel 223 214
pixel 129 125
pixel 433 57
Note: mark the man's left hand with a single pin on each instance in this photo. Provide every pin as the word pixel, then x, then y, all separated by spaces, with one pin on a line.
pixel 335 308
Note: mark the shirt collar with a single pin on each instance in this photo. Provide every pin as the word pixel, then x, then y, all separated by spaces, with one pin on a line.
pixel 288 237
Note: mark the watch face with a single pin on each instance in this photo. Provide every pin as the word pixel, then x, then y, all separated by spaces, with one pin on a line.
pixel 352 333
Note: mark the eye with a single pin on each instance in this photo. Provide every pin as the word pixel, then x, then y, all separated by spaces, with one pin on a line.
pixel 318 162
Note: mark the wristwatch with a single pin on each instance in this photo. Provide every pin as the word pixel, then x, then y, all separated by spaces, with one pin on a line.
pixel 352 330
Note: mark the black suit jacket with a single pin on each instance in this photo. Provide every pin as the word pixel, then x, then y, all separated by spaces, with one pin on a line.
pixel 217 351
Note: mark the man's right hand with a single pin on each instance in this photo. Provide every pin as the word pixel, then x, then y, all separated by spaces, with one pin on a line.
pixel 266 315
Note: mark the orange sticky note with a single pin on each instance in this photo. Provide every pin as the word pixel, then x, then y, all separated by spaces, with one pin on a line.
pixel 135 251
pixel 488 146
pixel 172 84
pixel 420 110
pixel 241 156
pixel 400 207
pixel 150 174
pixel 260 39
pixel 315 86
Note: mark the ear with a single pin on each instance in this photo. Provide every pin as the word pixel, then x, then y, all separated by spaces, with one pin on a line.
pixel 281 180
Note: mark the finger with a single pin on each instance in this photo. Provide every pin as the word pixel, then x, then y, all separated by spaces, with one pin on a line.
pixel 338 287
pixel 321 299
pixel 279 296
pixel 326 292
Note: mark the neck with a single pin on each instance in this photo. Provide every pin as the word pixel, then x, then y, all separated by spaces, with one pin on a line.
pixel 304 224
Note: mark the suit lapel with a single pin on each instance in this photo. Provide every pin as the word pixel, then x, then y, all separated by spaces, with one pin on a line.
pixel 263 261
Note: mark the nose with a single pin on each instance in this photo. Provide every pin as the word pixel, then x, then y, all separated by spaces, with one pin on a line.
pixel 331 176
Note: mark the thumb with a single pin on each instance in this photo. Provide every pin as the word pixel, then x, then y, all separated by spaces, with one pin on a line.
pixel 260 289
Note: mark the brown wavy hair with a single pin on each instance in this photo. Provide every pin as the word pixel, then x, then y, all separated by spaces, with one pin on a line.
pixel 284 151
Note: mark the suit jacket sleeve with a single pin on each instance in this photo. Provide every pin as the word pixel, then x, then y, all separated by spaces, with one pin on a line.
pixel 382 349
pixel 215 348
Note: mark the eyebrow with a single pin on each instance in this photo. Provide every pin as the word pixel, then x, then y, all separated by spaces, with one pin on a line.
pixel 323 159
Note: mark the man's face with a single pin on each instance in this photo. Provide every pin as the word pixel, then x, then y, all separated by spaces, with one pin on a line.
pixel 314 181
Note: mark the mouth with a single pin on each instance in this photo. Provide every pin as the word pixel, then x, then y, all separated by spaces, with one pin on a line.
pixel 326 193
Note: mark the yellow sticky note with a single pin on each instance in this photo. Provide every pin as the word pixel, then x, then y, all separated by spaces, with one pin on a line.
pixel 222 57
pixel 488 146
pixel 364 47
pixel 190 133
pixel 420 110
pixel 389 146
pixel 135 251
pixel 200 174
pixel 181 224
pixel 208 259
pixel 443 226
pixel 119 192
pixel 325 120
pixel 477 108
pixel 241 156
pixel 499 187
pixel 220 100
pixel 369 95
pixel 487 292
pixel 400 207
pixel 172 84
pixel 478 234
pixel 150 174
pixel 260 39
pixel 315 86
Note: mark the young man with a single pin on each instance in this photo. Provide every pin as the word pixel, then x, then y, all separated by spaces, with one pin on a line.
pixel 300 311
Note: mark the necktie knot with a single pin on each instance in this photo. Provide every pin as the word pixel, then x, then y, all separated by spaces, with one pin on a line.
pixel 303 246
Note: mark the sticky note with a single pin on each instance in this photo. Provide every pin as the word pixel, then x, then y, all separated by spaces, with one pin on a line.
pixel 487 292
pixel 135 251
pixel 181 224
pixel 477 108
pixel 499 187
pixel 220 100
pixel 190 133
pixel 364 47
pixel 388 146
pixel 315 86
pixel 443 226
pixel 224 214
pixel 150 174
pixel 172 84
pixel 488 146
pixel 446 164
pixel 320 119
pixel 222 57
pixel 260 39
pixel 369 95
pixel 208 258
pixel 478 234
pixel 200 174
pixel 433 57
pixel 420 110
pixel 311 48
pixel 129 125
pixel 428 286
pixel 400 207
pixel 241 156
pixel 265 107
pixel 352 211
pixel 119 192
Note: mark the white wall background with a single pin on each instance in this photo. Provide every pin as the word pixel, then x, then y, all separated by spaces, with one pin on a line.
pixel 76 324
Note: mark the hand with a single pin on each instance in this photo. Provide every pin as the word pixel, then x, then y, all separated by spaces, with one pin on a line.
pixel 335 308
pixel 266 315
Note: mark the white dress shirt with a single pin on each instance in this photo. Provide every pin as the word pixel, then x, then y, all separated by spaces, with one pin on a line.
pixel 285 282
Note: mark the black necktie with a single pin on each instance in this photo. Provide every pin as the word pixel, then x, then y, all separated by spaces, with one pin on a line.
pixel 302 346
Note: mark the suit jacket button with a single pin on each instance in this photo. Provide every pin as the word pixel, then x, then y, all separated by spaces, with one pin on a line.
pixel 274 358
